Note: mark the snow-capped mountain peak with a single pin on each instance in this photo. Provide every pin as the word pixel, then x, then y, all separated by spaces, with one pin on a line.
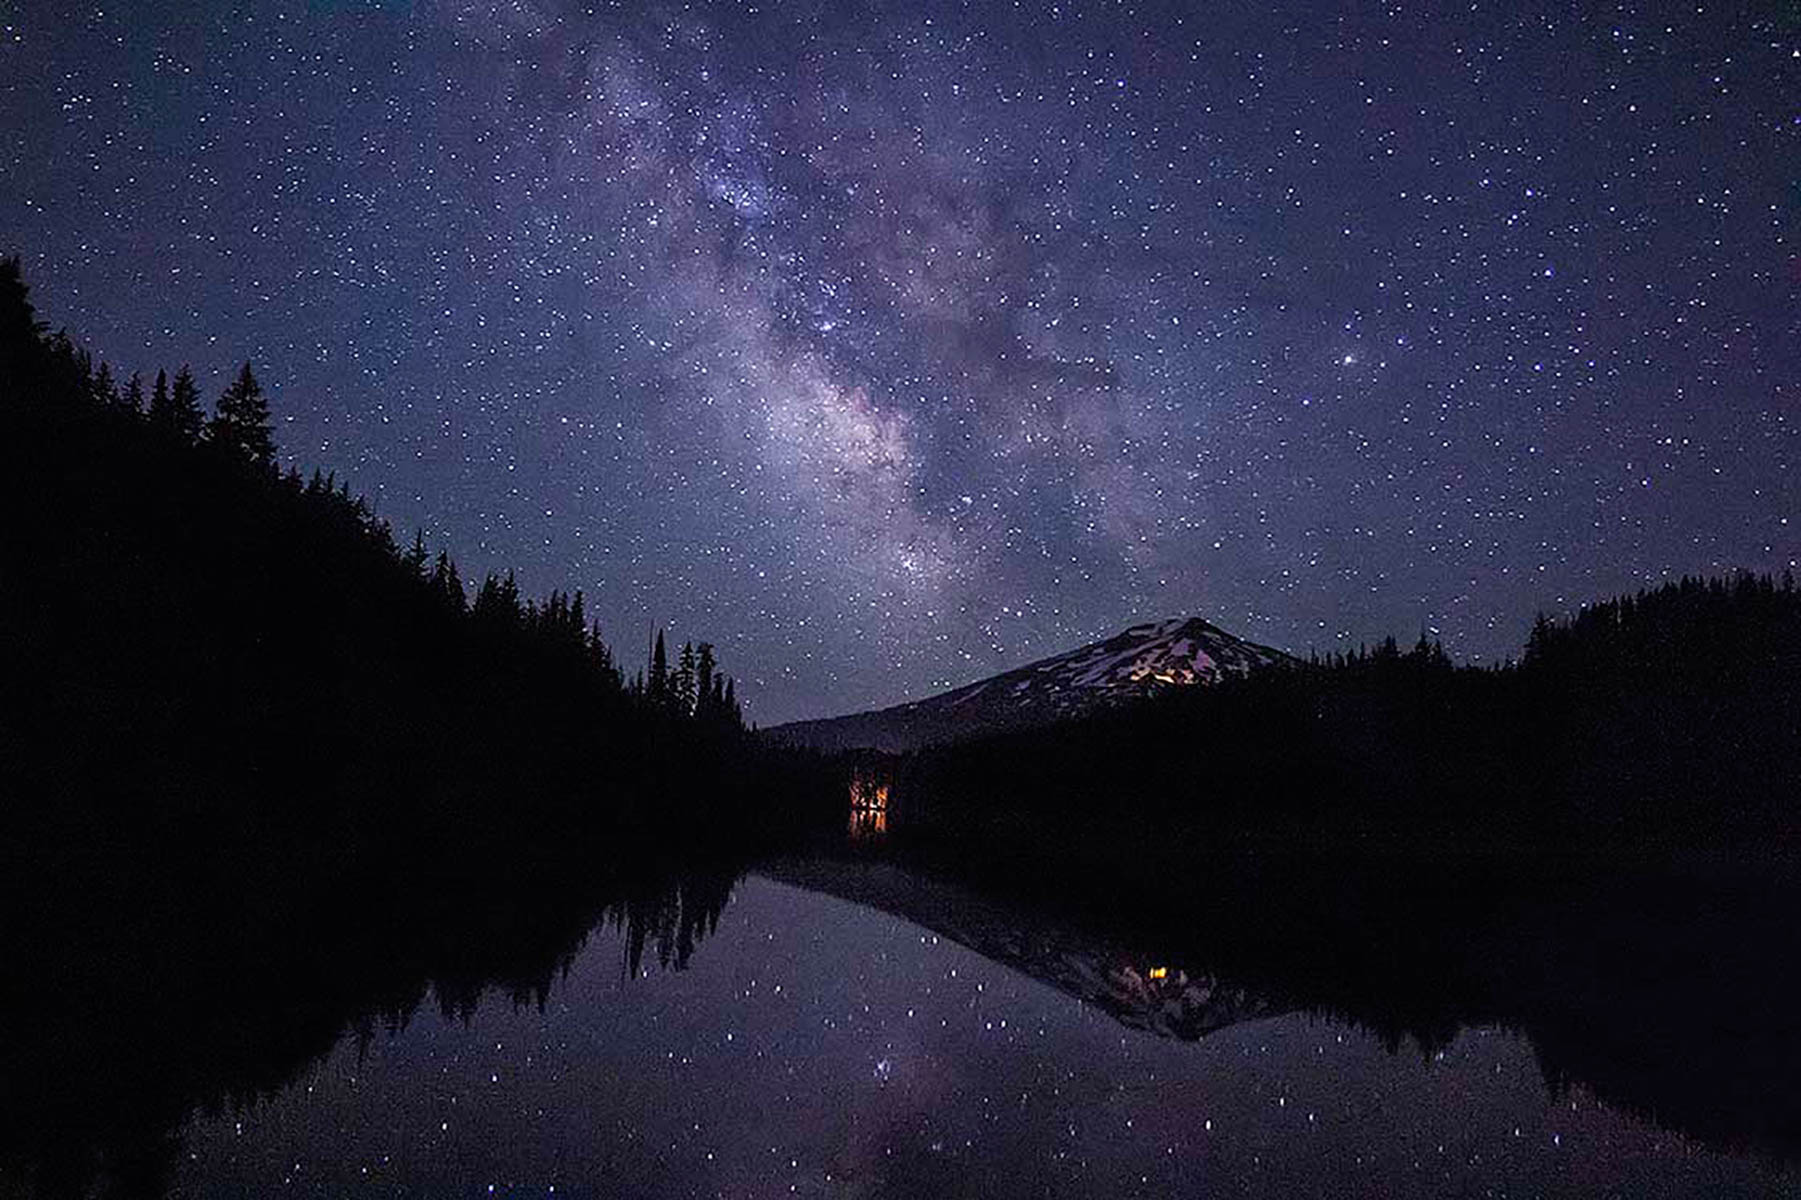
pixel 1131 664
pixel 1169 652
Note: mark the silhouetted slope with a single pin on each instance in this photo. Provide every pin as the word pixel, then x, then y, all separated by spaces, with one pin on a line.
pixel 1665 723
pixel 242 671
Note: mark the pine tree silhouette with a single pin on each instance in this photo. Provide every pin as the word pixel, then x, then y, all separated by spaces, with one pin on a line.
pixel 106 391
pixel 21 333
pixel 161 411
pixel 656 687
pixel 704 672
pixel 241 426
pixel 446 584
pixel 684 681
pixel 184 418
pixel 416 558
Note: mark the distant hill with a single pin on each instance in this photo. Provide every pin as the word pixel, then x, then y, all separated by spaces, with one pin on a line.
pixel 1139 662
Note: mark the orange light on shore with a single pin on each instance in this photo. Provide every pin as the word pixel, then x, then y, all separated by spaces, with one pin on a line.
pixel 867 793
pixel 868 806
pixel 1159 972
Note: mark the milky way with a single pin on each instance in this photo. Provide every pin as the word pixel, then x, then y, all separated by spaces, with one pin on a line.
pixel 887 346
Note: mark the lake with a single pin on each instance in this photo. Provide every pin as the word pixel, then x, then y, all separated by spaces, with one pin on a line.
pixel 817 1045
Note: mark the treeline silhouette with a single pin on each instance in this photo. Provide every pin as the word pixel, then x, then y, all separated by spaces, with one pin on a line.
pixel 130 1023
pixel 196 630
pixel 696 688
pixel 1663 724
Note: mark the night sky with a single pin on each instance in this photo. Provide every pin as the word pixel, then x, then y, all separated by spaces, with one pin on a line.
pixel 887 346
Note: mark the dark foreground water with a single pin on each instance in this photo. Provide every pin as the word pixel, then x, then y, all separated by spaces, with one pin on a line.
pixel 815 1046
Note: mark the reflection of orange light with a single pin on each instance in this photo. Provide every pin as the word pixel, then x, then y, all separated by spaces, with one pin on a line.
pixel 1159 972
pixel 868 822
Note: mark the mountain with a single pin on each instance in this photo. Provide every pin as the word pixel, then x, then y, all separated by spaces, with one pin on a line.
pixel 1130 986
pixel 1128 666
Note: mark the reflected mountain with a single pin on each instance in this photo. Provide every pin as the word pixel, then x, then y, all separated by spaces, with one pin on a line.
pixel 1131 986
pixel 1667 996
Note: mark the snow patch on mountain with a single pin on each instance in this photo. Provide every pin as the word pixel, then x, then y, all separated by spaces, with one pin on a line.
pixel 1140 661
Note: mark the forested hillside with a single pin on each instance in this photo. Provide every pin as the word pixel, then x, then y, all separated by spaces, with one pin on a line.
pixel 1663 723
pixel 207 651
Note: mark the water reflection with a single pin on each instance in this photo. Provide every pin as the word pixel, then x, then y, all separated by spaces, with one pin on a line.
pixel 853 1025
pixel 1106 974
pixel 128 1020
pixel 819 1047
pixel 868 824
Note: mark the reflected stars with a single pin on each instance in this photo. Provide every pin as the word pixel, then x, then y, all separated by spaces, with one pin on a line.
pixel 811 1041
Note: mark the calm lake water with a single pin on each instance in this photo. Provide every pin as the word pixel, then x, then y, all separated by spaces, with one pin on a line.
pixel 814 1046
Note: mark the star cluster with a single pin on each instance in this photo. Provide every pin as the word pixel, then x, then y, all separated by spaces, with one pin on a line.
pixel 888 345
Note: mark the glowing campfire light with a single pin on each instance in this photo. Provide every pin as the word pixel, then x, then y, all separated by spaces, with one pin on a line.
pixel 867 793
pixel 1159 972
pixel 868 805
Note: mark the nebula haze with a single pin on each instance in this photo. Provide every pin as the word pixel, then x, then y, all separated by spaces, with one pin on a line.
pixel 891 345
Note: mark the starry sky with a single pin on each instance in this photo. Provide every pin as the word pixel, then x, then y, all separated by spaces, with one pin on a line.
pixel 890 345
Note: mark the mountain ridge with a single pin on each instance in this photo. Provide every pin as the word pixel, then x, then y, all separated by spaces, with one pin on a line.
pixel 1132 664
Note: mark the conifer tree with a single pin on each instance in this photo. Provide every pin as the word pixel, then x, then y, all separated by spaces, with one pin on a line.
pixel 133 399
pixel 509 598
pixel 1538 643
pixel 601 658
pixel 160 409
pixel 703 682
pixel 21 333
pixel 486 609
pixel 445 582
pixel 106 392
pixel 684 681
pixel 656 687
pixel 242 426
pixel 67 369
pixel 182 416
pixel 417 557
